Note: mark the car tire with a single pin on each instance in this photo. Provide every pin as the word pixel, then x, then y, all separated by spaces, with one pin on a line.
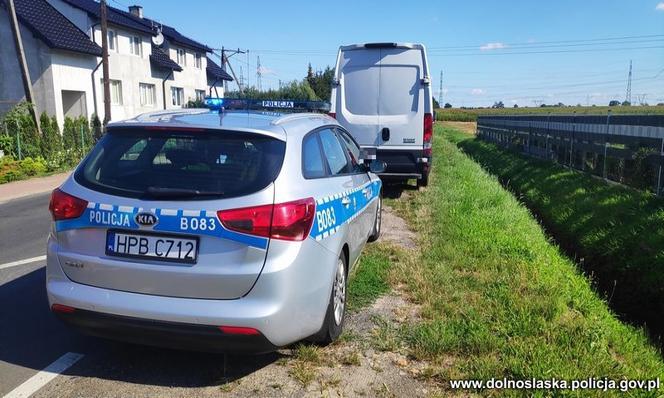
pixel 336 308
pixel 424 181
pixel 378 222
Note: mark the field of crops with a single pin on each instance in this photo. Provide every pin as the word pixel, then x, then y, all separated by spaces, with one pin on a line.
pixel 470 115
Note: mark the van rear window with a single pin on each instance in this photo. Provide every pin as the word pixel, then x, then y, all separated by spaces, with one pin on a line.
pixel 361 89
pixel 181 165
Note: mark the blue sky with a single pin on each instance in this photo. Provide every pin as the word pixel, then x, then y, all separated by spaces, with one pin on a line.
pixel 516 51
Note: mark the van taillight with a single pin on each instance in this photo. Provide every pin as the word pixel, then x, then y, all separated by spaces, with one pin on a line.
pixel 333 115
pixel 64 206
pixel 285 221
pixel 428 133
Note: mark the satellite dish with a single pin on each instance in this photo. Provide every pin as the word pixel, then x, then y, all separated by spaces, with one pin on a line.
pixel 158 39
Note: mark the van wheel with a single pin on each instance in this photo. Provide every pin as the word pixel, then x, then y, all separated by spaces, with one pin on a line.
pixel 375 233
pixel 424 181
pixel 336 308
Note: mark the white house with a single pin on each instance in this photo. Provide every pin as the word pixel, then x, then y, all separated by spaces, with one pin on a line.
pixel 151 66
pixel 59 56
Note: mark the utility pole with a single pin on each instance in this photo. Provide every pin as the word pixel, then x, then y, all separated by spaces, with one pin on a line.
pixel 20 54
pixel 259 74
pixel 440 91
pixel 628 95
pixel 104 61
pixel 224 62
pixel 223 66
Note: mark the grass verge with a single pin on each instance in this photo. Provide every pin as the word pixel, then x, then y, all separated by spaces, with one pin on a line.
pixel 616 232
pixel 498 299
pixel 368 280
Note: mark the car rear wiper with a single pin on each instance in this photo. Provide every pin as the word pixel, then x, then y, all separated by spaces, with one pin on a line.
pixel 162 192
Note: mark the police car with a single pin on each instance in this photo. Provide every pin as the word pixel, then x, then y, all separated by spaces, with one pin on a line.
pixel 213 229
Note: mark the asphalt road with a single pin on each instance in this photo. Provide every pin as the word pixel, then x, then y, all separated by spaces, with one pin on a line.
pixel 31 338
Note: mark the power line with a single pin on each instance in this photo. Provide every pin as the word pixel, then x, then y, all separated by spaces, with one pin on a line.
pixel 543 52
pixel 526 46
pixel 535 44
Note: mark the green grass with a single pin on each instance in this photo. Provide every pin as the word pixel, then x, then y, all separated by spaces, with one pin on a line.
pixel 470 115
pixel 497 298
pixel 617 231
pixel 368 280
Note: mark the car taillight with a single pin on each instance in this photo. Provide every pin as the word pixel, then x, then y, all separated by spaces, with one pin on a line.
pixel 285 221
pixel 292 220
pixel 428 133
pixel 248 220
pixel 332 115
pixel 64 206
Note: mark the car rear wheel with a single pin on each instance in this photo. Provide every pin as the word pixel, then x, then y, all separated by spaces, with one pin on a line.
pixel 375 233
pixel 336 309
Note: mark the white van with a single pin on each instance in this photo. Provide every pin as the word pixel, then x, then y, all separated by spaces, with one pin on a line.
pixel 382 95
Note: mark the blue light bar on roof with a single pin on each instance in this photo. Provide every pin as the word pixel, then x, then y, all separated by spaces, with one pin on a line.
pixel 257 104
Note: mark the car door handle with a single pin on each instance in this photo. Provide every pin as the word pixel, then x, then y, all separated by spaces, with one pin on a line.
pixel 345 201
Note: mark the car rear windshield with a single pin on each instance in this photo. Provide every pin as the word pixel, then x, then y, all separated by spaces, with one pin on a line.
pixel 166 164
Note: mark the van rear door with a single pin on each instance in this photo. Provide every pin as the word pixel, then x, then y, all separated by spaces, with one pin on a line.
pixel 401 100
pixel 359 93
pixel 381 87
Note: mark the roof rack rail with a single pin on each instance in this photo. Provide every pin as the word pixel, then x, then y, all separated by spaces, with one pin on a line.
pixel 222 104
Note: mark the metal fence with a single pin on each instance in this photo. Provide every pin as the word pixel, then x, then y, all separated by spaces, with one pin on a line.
pixel 628 149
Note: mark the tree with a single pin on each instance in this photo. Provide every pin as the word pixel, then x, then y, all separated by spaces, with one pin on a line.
pixel 321 82
pixel 626 103
pixel 614 103
pixel 498 104
pixel 436 104
pixel 516 105
pixel 50 142
pixel 448 105
pixel 295 90
pixel 95 125
pixel 69 133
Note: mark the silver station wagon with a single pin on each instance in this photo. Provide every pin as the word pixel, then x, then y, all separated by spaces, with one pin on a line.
pixel 213 229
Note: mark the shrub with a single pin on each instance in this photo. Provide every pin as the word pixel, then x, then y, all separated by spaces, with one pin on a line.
pixel 51 142
pixel 7 145
pixel 32 167
pixel 19 121
pixel 95 126
pixel 69 133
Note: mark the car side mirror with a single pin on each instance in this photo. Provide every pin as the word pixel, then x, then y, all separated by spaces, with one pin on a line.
pixel 377 167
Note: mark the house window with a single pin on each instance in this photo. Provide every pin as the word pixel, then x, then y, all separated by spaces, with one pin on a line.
pixel 112 40
pixel 136 46
pixel 198 62
pixel 181 57
pixel 147 92
pixel 116 91
pixel 200 95
pixel 177 94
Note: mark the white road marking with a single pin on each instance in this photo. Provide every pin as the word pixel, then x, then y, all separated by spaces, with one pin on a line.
pixel 36 382
pixel 24 261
